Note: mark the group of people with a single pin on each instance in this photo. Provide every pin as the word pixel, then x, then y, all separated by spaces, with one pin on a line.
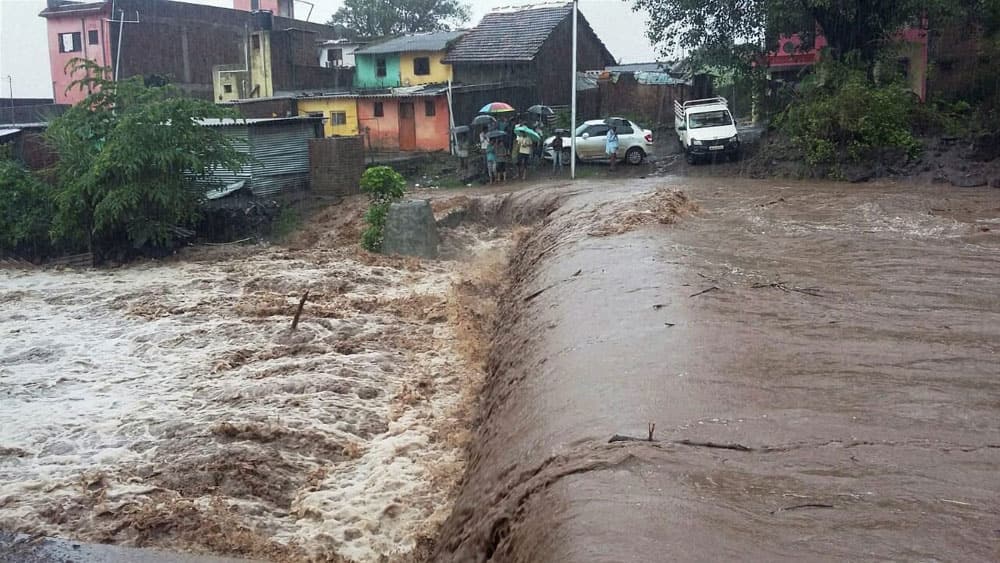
pixel 511 152
pixel 514 150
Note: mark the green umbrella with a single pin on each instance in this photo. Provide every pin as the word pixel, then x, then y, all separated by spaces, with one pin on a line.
pixel 528 131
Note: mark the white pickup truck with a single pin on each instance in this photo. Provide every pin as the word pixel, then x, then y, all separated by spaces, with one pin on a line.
pixel 705 128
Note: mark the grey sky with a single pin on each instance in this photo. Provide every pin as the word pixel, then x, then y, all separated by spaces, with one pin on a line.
pixel 24 54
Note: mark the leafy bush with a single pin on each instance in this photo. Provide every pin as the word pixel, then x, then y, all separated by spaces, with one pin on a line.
pixel 26 211
pixel 383 186
pixel 130 156
pixel 841 112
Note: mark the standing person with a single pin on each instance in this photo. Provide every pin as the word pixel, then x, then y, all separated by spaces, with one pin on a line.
pixel 484 143
pixel 524 148
pixel 539 149
pixel 491 160
pixel 503 158
pixel 611 146
pixel 557 152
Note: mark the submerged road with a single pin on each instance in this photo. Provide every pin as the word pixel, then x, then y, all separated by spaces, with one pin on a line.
pixel 819 360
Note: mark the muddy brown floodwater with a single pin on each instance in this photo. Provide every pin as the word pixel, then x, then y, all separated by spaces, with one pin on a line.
pixel 819 360
pixel 816 365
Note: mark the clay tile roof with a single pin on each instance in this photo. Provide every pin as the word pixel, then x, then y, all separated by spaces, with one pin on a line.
pixel 509 35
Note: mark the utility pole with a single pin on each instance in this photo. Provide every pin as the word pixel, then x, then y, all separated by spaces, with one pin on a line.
pixel 572 118
pixel 10 82
pixel 121 21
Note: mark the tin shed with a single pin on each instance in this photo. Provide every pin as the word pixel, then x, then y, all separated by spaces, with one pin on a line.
pixel 279 151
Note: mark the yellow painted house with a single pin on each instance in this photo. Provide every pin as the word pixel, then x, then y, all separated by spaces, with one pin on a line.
pixel 423 67
pixel 339 113
pixel 409 60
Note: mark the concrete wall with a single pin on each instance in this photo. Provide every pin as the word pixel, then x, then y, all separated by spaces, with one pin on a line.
pixel 439 72
pixel 364 74
pixel 230 82
pixel 649 104
pixel 326 106
pixel 382 132
pixel 178 40
pixel 261 74
pixel 433 132
pixel 336 165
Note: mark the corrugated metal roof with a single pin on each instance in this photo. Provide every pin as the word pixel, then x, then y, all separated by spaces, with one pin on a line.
pixel 510 35
pixel 223 122
pixel 640 67
pixel 436 41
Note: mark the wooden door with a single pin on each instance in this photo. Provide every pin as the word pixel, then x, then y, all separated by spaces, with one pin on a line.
pixel 407 127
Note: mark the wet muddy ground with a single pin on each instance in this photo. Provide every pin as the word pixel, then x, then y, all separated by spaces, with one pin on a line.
pixel 819 360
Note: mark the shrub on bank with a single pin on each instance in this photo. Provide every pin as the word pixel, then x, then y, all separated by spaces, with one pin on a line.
pixel 383 186
pixel 842 115
pixel 26 210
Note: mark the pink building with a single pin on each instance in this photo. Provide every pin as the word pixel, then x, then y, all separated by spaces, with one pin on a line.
pixel 75 31
pixel 282 8
pixel 791 57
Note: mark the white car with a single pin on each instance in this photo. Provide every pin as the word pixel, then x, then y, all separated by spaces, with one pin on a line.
pixel 634 142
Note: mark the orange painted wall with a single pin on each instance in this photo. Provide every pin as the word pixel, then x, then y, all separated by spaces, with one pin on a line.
pixel 432 132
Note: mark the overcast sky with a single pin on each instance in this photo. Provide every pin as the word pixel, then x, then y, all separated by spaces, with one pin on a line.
pixel 24 54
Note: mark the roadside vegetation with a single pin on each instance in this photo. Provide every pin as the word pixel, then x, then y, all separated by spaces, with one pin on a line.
pixel 855 107
pixel 130 157
pixel 383 186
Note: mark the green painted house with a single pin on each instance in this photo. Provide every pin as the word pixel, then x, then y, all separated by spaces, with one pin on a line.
pixel 408 60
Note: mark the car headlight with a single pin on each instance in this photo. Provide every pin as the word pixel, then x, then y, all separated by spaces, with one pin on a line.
pixel 697 142
pixel 735 140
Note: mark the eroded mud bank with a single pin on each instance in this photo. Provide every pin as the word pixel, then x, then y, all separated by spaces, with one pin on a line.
pixel 819 361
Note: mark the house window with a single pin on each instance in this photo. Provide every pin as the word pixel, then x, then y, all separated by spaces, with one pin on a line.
pixel 338 118
pixel 379 110
pixel 256 42
pixel 254 5
pixel 430 110
pixel 380 68
pixel 70 42
pixel 92 37
pixel 422 66
pixel 335 56
pixel 227 88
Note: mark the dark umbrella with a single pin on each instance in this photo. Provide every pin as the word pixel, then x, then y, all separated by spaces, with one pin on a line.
pixel 484 120
pixel 496 134
pixel 541 110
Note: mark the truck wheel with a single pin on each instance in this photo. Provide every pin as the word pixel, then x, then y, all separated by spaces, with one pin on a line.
pixel 691 158
pixel 634 156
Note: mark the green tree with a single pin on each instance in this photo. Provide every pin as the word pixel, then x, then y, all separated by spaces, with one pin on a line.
pixel 379 18
pixel 130 160
pixel 739 31
pixel 26 209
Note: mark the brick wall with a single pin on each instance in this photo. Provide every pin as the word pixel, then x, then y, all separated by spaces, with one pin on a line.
pixel 336 165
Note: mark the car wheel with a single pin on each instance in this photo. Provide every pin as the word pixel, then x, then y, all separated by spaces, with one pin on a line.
pixel 634 156
pixel 691 158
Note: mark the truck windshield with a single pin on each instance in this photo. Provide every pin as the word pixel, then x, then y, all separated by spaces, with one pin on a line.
pixel 709 119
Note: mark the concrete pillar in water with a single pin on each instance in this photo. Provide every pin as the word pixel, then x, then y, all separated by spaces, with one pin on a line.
pixel 410 229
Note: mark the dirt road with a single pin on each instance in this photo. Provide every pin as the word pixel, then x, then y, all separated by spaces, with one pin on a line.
pixel 820 362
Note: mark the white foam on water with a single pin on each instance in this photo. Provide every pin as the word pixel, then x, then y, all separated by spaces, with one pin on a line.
pixel 142 381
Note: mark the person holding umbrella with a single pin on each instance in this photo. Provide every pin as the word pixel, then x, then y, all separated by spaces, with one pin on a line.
pixel 524 146
pixel 611 146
